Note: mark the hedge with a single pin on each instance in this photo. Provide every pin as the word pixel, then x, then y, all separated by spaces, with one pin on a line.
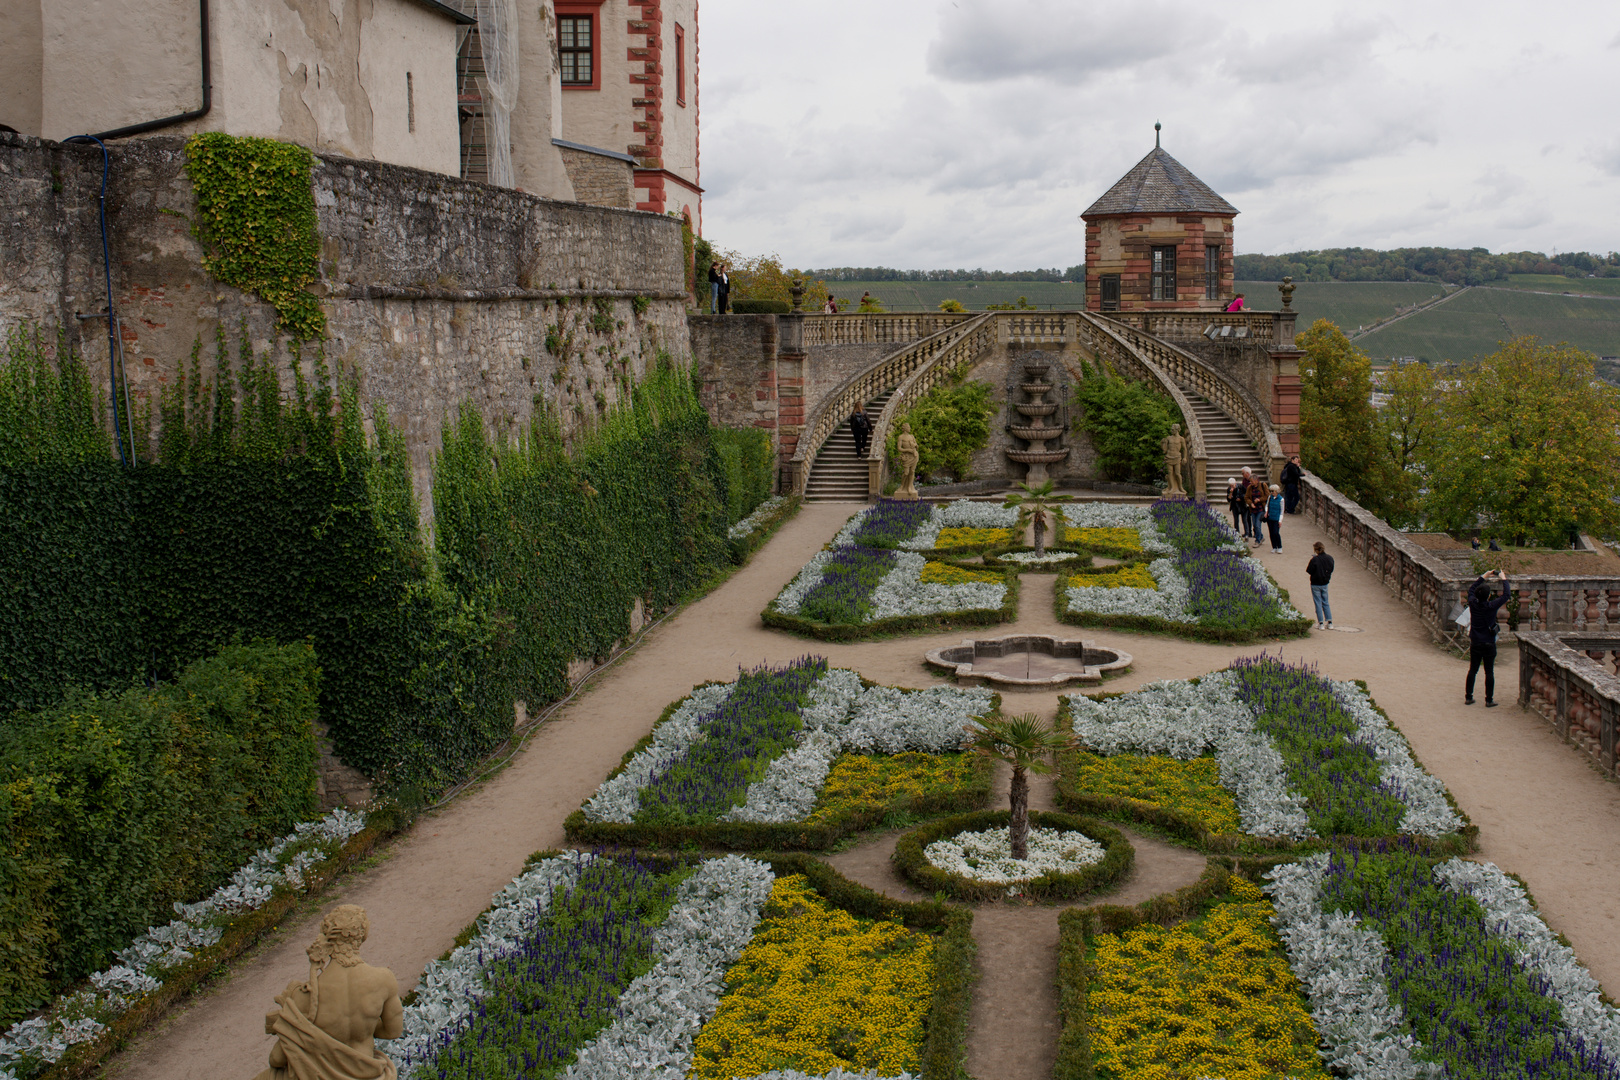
pixel 944 620
pixel 743 547
pixel 910 860
pixel 760 307
pixel 115 806
pixel 748 462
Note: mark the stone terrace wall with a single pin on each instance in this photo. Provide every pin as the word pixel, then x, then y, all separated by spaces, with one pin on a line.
pixel 437 290
pixel 1565 679
pixel 1434 590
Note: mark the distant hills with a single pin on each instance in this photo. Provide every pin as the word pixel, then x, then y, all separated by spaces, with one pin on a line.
pixel 1451 266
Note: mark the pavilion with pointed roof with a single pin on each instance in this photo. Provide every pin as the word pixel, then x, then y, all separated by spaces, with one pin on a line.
pixel 1159 240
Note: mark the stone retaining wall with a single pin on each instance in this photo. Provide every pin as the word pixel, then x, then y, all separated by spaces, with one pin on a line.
pixel 1570 681
pixel 437 290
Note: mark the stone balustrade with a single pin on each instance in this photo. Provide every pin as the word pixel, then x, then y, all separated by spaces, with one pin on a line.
pixel 852 329
pixel 954 352
pixel 1570 680
pixel 1273 329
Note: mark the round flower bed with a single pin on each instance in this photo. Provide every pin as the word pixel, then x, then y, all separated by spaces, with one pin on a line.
pixel 1062 867
pixel 1025 558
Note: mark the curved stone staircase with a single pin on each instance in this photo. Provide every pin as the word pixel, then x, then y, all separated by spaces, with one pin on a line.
pixel 837 475
pixel 1228 446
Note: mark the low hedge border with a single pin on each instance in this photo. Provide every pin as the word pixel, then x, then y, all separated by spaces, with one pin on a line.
pixel 744 547
pixel 943 620
pixel 243 933
pixel 914 865
pixel 759 835
pixel 1279 629
pixel 945 1030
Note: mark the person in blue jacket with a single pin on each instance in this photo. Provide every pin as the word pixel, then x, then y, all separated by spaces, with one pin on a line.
pixel 1274 513
pixel 1482 610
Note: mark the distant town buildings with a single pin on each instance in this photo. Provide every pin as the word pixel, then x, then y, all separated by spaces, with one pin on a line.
pixel 584 100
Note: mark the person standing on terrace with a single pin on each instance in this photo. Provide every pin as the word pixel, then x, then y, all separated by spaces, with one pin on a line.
pixel 1292 473
pixel 1236 304
pixel 1482 634
pixel 1320 569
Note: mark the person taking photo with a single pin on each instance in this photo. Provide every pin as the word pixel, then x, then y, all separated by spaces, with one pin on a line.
pixel 1482 610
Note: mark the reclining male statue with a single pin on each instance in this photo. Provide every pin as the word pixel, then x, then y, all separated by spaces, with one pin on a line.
pixel 325 1024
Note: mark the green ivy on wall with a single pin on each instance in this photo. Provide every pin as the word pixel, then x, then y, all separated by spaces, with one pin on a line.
pixel 256 221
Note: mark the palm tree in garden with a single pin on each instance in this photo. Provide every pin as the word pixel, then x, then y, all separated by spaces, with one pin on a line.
pixel 1033 504
pixel 1027 744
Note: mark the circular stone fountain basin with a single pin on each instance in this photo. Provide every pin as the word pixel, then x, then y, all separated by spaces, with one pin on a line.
pixel 1028 661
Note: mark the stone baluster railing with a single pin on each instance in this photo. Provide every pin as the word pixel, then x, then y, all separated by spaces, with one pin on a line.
pixel 854 392
pixel 953 352
pixel 1111 344
pixel 853 329
pixel 1562 677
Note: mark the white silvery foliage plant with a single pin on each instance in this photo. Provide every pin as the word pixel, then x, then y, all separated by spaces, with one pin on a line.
pixel 1285 610
pixel 791 784
pixel 145 962
pixel 1509 916
pixel 808 577
pixel 1098 515
pixel 903 592
pixel 661 1012
pixel 934 720
pixel 450 989
pixel 619 798
pixel 761 514
pixel 987 855
pixel 1340 965
pixel 1029 558
pixel 836 1074
pixel 846 535
pixel 1184 720
pixel 1427 811
pixel 1169 601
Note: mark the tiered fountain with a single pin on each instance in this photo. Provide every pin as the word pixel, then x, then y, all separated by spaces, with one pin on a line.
pixel 1034 430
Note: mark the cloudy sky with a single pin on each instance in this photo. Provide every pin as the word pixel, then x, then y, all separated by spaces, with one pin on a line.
pixel 964 133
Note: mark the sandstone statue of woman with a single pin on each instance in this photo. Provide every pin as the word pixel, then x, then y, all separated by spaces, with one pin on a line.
pixel 1175 455
pixel 325 1024
pixel 906 444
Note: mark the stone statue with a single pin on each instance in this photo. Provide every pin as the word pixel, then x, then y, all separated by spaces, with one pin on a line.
pixel 906 444
pixel 1287 289
pixel 325 1024
pixel 1175 455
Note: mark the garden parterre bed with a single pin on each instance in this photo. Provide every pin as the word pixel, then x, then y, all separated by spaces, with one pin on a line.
pixel 1297 758
pixel 1000 878
pixel 790 758
pixel 1201 582
pixel 594 967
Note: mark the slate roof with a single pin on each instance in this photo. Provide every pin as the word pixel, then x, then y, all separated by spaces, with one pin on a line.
pixel 1159 184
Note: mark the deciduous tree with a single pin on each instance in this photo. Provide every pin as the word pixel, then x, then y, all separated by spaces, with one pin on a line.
pixel 1408 426
pixel 1337 423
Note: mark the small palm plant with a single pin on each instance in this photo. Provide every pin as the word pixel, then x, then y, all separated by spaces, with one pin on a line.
pixel 1033 504
pixel 1027 744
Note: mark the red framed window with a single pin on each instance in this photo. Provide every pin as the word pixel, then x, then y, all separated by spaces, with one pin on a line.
pixel 680 65
pixel 579 45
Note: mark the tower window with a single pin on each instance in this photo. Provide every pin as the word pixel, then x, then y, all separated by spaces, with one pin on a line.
pixel 410 104
pixel 575 48
pixel 680 65
pixel 1164 273
pixel 1212 271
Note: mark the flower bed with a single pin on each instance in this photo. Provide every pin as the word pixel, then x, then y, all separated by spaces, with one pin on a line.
pixel 915 525
pixel 1212 996
pixel 912 860
pixel 1120 542
pixel 168 961
pixel 696 967
pixel 987 856
pixel 1205 585
pixel 750 534
pixel 745 765
pixel 1418 969
pixel 1302 757
pixel 960 538
pixel 1189 789
pixel 1024 558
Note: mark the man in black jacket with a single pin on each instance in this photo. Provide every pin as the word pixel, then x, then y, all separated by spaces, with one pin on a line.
pixel 1482 610
pixel 1291 474
pixel 862 427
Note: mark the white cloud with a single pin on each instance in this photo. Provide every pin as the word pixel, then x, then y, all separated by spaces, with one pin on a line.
pixel 934 133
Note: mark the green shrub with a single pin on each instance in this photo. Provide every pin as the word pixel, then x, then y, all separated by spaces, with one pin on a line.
pixel 114 806
pixel 750 469
pixel 760 307
pixel 1127 420
pixel 951 423
pixel 953 306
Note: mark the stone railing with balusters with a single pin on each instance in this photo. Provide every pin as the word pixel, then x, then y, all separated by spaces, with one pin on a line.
pixel 948 355
pixel 1273 329
pixel 854 392
pixel 851 329
pixel 1234 400
pixel 1565 678
pixel 1108 343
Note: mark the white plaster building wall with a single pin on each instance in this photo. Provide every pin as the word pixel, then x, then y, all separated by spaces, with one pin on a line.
pixel 392 45
pixel 604 117
pixel 322 73
pixel 537 117
pixel 680 122
pixel 21 60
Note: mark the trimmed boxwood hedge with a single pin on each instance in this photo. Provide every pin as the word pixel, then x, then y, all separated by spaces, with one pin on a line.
pixel 744 547
pixel 911 862
pixel 1277 629
pixel 760 307
pixel 945 620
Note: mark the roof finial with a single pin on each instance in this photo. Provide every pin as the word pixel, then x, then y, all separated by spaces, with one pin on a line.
pixel 1156 127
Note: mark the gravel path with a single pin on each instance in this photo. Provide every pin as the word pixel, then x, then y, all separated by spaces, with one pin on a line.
pixel 1543 812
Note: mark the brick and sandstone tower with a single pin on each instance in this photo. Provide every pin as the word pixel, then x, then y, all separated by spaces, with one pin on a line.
pixel 1159 240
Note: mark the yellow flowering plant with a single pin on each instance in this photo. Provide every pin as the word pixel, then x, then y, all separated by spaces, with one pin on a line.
pixel 946 574
pixel 963 537
pixel 1122 541
pixel 869 785
pixel 1209 997
pixel 1189 788
pixel 817 989
pixel 1136 576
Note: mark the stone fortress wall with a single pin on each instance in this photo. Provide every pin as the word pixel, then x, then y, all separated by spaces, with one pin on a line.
pixel 437 290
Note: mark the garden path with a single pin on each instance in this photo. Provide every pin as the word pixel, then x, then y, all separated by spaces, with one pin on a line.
pixel 1543 812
